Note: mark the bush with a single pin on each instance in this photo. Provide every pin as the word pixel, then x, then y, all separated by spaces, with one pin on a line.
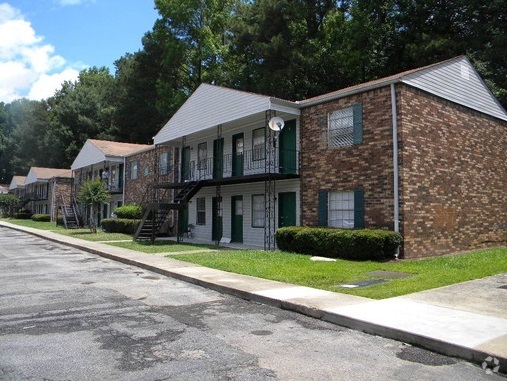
pixel 22 214
pixel 59 221
pixel 120 225
pixel 355 244
pixel 131 212
pixel 41 217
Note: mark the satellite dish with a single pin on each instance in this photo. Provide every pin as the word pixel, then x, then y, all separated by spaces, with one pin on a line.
pixel 276 124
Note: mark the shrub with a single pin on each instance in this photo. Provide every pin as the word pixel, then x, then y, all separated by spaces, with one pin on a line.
pixel 120 225
pixel 59 221
pixel 355 244
pixel 132 212
pixel 22 214
pixel 41 217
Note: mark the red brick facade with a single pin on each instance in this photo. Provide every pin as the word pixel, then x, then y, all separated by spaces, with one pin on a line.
pixel 452 170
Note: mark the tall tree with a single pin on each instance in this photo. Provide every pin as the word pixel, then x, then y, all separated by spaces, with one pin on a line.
pixel 80 110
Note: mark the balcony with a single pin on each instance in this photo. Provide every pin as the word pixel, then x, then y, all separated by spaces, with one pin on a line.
pixel 252 165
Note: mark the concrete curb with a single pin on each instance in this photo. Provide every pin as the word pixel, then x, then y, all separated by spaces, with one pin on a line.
pixel 258 290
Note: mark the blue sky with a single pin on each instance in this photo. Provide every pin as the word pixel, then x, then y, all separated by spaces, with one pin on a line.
pixel 43 42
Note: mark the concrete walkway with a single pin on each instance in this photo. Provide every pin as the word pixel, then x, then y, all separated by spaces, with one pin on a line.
pixel 467 320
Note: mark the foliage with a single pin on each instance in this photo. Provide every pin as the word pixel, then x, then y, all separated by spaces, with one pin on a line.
pixel 129 212
pixel 41 217
pixel 356 244
pixel 22 215
pixel 93 193
pixel 120 225
pixel 7 200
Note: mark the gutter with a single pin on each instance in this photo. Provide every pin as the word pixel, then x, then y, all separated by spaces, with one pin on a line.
pixel 395 163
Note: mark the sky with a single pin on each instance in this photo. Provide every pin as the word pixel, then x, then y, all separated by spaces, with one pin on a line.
pixel 46 42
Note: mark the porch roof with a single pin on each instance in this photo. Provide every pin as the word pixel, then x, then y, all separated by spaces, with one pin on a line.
pixel 210 106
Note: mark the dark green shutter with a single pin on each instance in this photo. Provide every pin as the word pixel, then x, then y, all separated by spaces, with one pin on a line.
pixel 357 111
pixel 358 208
pixel 322 209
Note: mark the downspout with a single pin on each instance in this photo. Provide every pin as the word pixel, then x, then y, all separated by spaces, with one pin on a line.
pixel 124 182
pixel 395 165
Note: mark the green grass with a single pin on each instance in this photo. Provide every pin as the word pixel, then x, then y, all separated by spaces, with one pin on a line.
pixel 85 234
pixel 163 246
pixel 298 269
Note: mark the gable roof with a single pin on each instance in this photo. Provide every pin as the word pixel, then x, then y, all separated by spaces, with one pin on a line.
pixel 38 174
pixel 4 188
pixel 455 80
pixel 210 106
pixel 97 151
pixel 17 182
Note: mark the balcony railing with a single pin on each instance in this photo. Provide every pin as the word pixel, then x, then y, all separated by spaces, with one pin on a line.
pixel 252 162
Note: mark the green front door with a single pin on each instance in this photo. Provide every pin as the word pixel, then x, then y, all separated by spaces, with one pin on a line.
pixel 286 209
pixel 183 220
pixel 238 142
pixel 288 153
pixel 218 158
pixel 185 164
pixel 237 219
pixel 216 220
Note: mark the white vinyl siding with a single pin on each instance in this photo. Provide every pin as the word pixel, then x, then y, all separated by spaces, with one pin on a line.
pixel 341 209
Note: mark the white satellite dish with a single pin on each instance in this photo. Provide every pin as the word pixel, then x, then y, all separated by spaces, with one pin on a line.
pixel 276 124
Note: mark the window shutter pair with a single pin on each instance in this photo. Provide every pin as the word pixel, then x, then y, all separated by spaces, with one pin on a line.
pixel 358 208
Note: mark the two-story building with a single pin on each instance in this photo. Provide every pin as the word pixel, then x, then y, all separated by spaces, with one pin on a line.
pixel 422 152
pixel 46 189
pixel 105 161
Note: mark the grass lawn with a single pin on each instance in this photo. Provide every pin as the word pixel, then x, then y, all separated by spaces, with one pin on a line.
pixel 77 233
pixel 164 246
pixel 298 269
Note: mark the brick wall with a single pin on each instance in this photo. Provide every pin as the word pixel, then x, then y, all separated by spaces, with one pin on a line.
pixel 453 176
pixel 366 166
pixel 63 189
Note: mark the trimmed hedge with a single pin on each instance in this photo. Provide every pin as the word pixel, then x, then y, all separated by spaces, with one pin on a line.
pixel 22 215
pixel 131 212
pixel 355 244
pixel 120 225
pixel 41 217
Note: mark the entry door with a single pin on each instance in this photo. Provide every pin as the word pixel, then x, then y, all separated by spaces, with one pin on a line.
pixel 216 220
pixel 286 209
pixel 288 153
pixel 238 142
pixel 237 219
pixel 218 158
pixel 183 222
pixel 185 164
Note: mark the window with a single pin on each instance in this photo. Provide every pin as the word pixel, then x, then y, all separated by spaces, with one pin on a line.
pixel 163 163
pixel 258 144
pixel 202 156
pixel 345 127
pixel 341 209
pixel 258 210
pixel 201 211
pixel 134 170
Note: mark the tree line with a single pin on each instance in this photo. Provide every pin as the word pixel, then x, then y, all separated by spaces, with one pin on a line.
pixel 291 49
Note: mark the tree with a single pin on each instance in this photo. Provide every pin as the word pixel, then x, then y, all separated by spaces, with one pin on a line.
pixel 93 194
pixel 6 202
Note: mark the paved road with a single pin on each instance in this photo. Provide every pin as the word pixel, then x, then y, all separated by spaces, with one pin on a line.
pixel 69 315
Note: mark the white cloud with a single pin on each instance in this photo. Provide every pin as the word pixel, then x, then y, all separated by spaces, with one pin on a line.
pixel 28 67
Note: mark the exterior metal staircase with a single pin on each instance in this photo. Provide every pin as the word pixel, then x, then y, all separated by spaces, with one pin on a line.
pixel 156 212
pixel 70 215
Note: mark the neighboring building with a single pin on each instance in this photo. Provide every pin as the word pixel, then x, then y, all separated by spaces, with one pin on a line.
pixel 17 186
pixel 103 160
pixel 4 188
pixel 46 189
pixel 441 181
pixel 422 152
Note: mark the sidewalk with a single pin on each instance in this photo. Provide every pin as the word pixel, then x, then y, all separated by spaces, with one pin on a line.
pixel 467 320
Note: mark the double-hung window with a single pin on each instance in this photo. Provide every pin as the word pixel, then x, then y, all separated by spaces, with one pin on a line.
pixel 163 163
pixel 134 170
pixel 202 156
pixel 201 211
pixel 258 210
pixel 258 144
pixel 341 209
pixel 345 127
